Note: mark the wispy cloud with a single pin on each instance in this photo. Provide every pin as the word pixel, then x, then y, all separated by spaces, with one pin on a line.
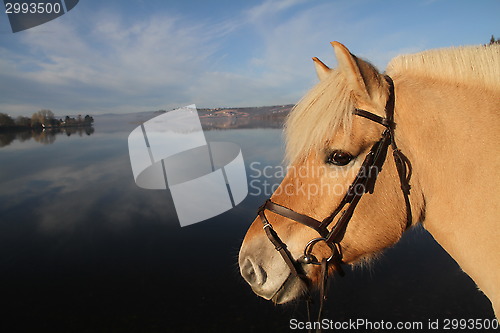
pixel 113 61
pixel 268 8
pixel 116 65
pixel 161 61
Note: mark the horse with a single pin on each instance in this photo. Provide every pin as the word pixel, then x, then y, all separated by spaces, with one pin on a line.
pixel 439 113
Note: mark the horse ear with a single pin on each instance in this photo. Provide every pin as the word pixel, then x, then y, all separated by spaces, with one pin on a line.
pixel 322 70
pixel 350 66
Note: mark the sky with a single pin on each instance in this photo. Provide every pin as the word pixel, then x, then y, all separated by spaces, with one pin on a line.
pixel 122 56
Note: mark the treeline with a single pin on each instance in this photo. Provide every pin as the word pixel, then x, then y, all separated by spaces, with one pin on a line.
pixel 43 119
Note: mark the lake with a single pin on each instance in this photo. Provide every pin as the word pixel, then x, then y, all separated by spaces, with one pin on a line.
pixel 83 249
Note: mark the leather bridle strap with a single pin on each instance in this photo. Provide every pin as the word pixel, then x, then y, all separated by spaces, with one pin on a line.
pixel 295 268
pixel 403 164
pixel 373 117
pixel 301 218
pixel 363 183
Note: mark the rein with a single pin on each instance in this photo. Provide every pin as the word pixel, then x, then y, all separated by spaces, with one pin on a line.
pixel 363 183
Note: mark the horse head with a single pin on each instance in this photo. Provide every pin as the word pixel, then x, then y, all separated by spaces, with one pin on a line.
pixel 327 145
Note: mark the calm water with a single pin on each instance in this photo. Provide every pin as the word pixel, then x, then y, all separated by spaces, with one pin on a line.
pixel 83 249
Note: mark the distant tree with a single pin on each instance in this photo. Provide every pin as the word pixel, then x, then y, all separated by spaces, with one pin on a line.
pixel 494 41
pixel 68 120
pixel 6 120
pixel 36 120
pixel 23 121
pixel 46 114
pixel 54 122
pixel 88 120
pixel 42 117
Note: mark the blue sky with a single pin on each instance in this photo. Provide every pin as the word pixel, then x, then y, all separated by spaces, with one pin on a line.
pixel 125 56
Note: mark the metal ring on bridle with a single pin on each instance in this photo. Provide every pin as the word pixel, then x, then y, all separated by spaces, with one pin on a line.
pixel 310 245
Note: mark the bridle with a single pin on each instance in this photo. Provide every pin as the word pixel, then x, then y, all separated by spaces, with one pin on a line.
pixel 364 182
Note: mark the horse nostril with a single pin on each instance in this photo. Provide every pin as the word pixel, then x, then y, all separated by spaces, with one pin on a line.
pixel 253 273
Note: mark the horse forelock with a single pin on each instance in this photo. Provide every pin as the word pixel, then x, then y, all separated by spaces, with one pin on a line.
pixel 325 109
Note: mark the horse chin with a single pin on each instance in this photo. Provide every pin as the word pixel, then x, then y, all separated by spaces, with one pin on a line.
pixel 291 289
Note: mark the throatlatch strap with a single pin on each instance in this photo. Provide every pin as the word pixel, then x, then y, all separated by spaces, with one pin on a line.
pixel 404 168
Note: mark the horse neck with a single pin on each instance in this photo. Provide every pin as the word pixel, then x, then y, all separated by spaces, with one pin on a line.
pixel 450 132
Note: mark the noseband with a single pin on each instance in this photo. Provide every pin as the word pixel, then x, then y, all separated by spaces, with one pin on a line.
pixel 363 183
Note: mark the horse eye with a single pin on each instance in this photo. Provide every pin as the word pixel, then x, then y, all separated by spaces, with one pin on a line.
pixel 339 158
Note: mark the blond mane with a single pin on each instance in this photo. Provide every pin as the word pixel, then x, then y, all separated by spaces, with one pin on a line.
pixel 328 106
pixel 479 65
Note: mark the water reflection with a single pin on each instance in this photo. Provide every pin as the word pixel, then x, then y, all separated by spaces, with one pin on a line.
pixel 46 136
pixel 83 249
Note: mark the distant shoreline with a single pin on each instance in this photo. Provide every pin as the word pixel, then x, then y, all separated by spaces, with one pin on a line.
pixel 41 120
pixel 242 112
pixel 40 128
